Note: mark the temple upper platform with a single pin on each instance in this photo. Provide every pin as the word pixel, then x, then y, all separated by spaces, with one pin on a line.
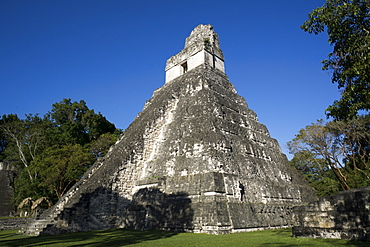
pixel 202 46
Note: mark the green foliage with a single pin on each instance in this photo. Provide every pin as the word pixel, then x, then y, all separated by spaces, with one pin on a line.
pixel 347 23
pixel 101 146
pixel 52 152
pixel 75 123
pixel 353 136
pixel 59 167
pixel 23 138
pixel 332 154
pixel 317 173
pixel 123 237
pixel 25 187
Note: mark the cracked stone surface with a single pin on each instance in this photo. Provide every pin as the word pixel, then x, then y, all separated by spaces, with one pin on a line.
pixel 345 215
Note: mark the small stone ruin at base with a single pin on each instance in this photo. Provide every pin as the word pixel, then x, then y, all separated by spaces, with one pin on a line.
pixel 195 159
pixel 7 175
pixel 345 215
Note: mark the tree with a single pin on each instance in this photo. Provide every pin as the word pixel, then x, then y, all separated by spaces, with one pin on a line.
pixel 60 167
pixel 317 173
pixel 347 23
pixel 339 147
pixel 353 137
pixel 23 139
pixel 100 147
pixel 3 143
pixel 75 123
pixel 317 140
pixel 25 187
pixel 54 151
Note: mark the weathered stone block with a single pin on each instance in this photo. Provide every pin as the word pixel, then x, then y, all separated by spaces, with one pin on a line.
pixel 345 215
pixel 13 223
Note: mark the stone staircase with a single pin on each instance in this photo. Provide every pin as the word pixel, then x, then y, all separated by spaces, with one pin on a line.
pixel 50 216
pixel 37 225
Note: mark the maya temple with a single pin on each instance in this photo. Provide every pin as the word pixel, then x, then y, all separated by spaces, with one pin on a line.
pixel 195 159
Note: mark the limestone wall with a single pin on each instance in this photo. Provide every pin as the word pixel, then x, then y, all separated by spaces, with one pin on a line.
pixel 13 223
pixel 345 215
pixel 7 176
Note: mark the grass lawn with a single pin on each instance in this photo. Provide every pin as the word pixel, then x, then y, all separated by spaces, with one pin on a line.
pixel 122 237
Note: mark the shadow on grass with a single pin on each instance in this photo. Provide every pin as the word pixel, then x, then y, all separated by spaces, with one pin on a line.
pixel 117 237
pixel 286 234
pixel 319 242
pixel 123 237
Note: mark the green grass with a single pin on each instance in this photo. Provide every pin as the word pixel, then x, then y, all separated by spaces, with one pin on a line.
pixel 122 237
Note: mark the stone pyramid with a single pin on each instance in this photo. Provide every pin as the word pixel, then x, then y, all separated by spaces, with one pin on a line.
pixel 195 159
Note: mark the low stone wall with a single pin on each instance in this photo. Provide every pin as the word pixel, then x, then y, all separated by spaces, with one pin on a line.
pixel 13 223
pixel 345 215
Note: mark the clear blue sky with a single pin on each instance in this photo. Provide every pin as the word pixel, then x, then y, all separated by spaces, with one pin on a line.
pixel 112 54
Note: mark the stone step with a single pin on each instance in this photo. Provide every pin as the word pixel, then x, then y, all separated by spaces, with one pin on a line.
pixel 35 227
